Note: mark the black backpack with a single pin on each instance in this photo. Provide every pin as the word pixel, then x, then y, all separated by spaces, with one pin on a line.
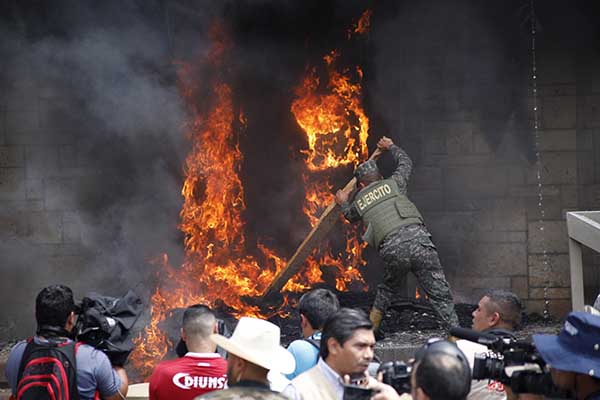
pixel 48 371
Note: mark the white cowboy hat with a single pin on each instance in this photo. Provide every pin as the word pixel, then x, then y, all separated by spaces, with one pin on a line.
pixel 257 341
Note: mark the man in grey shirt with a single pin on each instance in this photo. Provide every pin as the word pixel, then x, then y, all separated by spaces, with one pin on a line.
pixel 55 318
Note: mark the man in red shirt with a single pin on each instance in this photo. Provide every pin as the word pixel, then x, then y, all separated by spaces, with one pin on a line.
pixel 201 370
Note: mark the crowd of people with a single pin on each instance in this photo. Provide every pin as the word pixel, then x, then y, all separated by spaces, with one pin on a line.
pixel 334 359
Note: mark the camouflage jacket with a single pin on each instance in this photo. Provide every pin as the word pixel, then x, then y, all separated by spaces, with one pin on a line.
pixel 401 175
pixel 244 390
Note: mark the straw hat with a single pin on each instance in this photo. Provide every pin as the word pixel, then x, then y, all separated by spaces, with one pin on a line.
pixel 257 341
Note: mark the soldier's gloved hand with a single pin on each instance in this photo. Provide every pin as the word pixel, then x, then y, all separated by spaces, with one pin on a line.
pixel 341 197
pixel 384 143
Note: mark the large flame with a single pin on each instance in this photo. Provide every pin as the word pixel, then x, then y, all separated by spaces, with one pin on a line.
pixel 335 124
pixel 337 130
pixel 218 266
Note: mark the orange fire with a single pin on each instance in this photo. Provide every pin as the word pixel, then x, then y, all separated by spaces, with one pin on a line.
pixel 337 129
pixel 217 263
pixel 418 294
pixel 362 25
pixel 334 137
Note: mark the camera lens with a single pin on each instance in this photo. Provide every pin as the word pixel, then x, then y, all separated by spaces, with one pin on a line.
pixel 397 375
pixel 486 367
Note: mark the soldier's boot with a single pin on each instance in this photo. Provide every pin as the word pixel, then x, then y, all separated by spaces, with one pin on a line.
pixel 376 315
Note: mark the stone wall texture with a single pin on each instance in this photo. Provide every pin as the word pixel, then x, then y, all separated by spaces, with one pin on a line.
pixel 511 224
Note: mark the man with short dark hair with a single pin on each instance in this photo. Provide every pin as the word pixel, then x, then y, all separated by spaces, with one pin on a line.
pixel 314 307
pixel 347 345
pixel 200 370
pixel 54 313
pixel 395 228
pixel 441 373
pixel 498 313
pixel 498 310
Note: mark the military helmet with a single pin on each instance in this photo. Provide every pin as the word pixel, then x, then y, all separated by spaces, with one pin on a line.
pixel 369 167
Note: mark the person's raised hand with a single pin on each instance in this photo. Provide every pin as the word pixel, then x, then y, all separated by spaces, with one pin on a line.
pixel 384 143
pixel 341 197
pixel 376 154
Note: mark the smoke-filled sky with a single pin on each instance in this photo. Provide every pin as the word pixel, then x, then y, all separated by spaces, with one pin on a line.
pixel 106 141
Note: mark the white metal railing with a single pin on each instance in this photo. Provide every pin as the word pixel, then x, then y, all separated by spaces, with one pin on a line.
pixel 584 229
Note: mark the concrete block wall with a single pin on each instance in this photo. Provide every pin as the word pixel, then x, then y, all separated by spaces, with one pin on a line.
pixel 38 214
pixel 588 143
pixel 482 206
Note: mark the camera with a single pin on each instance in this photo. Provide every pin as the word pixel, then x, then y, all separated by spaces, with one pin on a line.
pixel 105 323
pixel 514 363
pixel 522 372
pixel 394 373
pixel 397 375
pixel 356 392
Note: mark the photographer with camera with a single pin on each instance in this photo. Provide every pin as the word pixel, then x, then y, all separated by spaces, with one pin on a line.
pixel 574 355
pixel 52 365
pixel 498 313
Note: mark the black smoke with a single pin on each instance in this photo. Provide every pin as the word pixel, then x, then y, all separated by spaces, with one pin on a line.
pixel 106 149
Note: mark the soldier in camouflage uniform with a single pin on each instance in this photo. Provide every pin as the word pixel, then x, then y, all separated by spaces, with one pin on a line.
pixel 395 227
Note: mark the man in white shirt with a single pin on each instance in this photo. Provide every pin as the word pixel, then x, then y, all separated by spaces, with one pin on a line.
pixel 347 346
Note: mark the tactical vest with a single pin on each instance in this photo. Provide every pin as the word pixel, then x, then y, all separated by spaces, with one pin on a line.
pixel 384 209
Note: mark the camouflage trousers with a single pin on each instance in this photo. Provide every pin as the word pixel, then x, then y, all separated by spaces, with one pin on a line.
pixel 419 256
